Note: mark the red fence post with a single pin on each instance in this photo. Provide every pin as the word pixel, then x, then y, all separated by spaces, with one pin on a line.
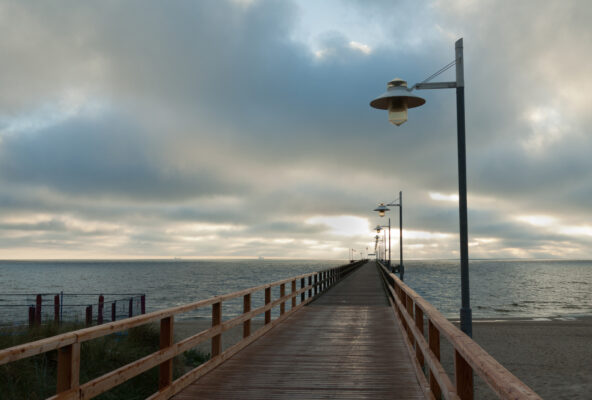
pixel 114 311
pixel 31 316
pixel 143 304
pixel 56 308
pixel 88 315
pixel 38 302
pixel 101 305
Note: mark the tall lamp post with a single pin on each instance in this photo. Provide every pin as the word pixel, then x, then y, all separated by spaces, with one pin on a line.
pixel 397 99
pixel 382 209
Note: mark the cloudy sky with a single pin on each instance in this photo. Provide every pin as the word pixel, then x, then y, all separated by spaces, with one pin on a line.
pixel 241 128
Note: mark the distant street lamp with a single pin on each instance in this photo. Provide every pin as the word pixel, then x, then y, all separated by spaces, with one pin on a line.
pixel 378 229
pixel 382 209
pixel 397 99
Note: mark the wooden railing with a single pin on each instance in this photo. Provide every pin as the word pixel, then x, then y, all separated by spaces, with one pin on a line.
pixel 469 357
pixel 68 344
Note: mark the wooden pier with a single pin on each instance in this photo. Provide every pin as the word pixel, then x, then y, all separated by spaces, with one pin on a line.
pixel 351 332
pixel 344 345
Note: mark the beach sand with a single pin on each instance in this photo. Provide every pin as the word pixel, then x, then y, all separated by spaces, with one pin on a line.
pixel 553 357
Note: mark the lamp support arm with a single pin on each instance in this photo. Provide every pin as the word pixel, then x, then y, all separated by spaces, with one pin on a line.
pixel 434 85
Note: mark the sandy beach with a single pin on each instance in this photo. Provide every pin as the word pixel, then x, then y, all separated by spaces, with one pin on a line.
pixel 552 357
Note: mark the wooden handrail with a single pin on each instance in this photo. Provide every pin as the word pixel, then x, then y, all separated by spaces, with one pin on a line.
pixel 68 344
pixel 411 308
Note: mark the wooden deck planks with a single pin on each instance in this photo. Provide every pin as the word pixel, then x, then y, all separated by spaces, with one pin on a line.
pixel 344 345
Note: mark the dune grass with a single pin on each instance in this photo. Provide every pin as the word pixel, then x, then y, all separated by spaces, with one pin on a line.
pixel 35 377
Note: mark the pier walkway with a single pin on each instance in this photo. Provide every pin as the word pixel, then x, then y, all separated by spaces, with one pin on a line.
pixel 344 345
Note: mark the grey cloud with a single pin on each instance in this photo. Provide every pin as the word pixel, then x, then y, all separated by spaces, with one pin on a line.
pixel 102 158
pixel 221 101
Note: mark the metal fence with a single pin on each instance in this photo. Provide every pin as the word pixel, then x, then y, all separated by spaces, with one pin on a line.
pixel 90 308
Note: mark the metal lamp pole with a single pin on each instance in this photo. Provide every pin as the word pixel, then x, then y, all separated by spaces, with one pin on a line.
pixel 397 99
pixel 382 209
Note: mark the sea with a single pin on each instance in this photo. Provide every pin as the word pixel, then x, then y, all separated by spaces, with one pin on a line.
pixel 500 289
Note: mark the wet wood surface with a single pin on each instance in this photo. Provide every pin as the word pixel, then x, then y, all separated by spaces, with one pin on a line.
pixel 344 345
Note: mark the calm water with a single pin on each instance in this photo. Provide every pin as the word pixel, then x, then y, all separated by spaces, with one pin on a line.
pixel 499 289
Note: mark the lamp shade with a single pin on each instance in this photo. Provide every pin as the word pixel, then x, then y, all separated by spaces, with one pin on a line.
pixel 397 99
pixel 382 209
pixel 378 228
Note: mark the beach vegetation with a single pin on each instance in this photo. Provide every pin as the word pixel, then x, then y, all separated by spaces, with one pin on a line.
pixel 35 377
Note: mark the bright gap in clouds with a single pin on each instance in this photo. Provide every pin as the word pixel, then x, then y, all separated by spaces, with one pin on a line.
pixel 443 197
pixel 537 220
pixel 344 225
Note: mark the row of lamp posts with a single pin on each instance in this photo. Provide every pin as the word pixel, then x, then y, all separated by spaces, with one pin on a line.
pixel 397 99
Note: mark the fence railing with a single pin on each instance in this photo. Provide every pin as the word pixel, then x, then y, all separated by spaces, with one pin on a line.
pixel 68 344
pixel 34 309
pixel 469 357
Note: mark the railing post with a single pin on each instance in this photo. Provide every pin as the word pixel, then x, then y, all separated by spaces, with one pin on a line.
pixel 409 306
pixel 143 304
pixel 282 294
pixel 246 309
pixel 293 294
pixel 434 343
pixel 38 303
pixel 114 311
pixel 56 308
pixel 165 376
pixel 131 307
pixel 419 325
pixel 316 280
pixel 303 294
pixel 100 312
pixel 267 301
pixel 310 286
pixel 68 367
pixel 88 315
pixel 463 374
pixel 216 320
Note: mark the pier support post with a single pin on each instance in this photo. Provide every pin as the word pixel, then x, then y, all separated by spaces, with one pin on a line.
pixel 419 325
pixel 303 294
pixel 68 368
pixel 165 369
pixel 434 343
pixel 216 320
pixel 282 294
pixel 246 309
pixel 463 374
pixel 267 301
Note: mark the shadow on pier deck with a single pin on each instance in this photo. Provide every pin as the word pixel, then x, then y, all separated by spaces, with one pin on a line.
pixel 344 345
